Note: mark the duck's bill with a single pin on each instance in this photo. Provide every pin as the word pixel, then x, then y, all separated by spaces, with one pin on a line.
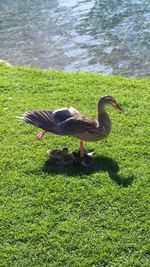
pixel 119 107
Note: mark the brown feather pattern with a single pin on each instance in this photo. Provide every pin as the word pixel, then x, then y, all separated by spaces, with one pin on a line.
pixel 69 121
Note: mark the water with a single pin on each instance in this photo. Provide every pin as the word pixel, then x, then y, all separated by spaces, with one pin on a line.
pixel 111 37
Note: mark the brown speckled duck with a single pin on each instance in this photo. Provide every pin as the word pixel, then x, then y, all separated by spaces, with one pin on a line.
pixel 70 122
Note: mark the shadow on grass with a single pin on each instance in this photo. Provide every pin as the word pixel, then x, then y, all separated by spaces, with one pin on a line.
pixel 99 164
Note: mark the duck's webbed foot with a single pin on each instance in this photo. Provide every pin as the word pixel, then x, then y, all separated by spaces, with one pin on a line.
pixel 40 135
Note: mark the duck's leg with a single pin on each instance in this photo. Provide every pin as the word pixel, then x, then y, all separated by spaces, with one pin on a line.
pixel 81 149
pixel 40 135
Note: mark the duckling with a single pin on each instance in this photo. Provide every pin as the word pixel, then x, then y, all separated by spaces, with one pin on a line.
pixel 64 158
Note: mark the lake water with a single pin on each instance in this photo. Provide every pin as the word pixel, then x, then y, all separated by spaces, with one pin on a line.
pixel 111 37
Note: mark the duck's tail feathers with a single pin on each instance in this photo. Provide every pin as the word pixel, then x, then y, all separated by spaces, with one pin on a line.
pixel 40 118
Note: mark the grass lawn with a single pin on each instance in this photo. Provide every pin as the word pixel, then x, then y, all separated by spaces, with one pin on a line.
pixel 67 216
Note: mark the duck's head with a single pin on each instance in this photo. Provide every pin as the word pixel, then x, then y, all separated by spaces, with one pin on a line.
pixel 108 100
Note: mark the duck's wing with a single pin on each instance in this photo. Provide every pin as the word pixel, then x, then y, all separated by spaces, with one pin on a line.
pixel 49 120
pixel 78 126
pixel 61 115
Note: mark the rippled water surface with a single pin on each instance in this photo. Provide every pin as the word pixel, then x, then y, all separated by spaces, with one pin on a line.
pixel 111 37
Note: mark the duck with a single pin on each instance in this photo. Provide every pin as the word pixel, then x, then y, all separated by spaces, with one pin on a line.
pixel 70 122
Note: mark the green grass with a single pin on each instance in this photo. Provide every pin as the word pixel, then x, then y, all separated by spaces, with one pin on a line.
pixel 67 216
